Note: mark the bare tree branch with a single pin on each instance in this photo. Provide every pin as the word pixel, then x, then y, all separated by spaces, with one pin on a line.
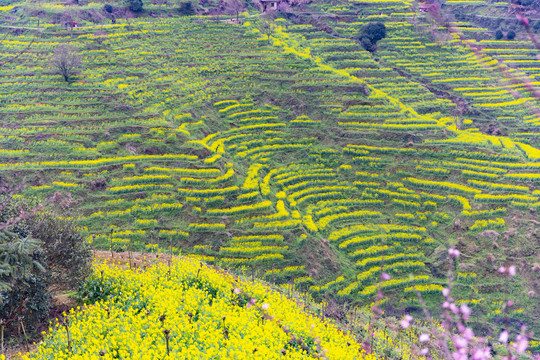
pixel 66 62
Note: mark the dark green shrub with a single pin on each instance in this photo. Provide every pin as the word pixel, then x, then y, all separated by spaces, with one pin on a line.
pixel 186 8
pixel 38 252
pixel 370 34
pixel 511 35
pixel 68 256
pixel 499 35
pixel 135 5
pixel 94 289
pixel 23 281
pixel 108 8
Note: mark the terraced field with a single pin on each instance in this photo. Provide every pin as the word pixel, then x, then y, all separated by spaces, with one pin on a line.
pixel 298 156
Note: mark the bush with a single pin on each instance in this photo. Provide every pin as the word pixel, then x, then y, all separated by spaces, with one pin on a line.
pixel 135 5
pixel 186 8
pixel 511 35
pixel 23 289
pixel 67 254
pixel 498 35
pixel 370 34
pixel 37 252
pixel 108 8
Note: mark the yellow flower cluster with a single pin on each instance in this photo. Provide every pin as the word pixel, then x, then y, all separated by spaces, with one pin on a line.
pixel 498 223
pixel 498 187
pixel 177 171
pixel 242 209
pixel 189 311
pixel 208 192
pixel 94 163
pixel 441 185
pixel 464 202
pixel 360 214
pixel 142 187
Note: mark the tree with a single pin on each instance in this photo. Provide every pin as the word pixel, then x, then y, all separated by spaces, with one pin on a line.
pixel 23 288
pixel 266 28
pixel 370 34
pixel 67 254
pixel 511 35
pixel 498 35
pixel 186 8
pixel 66 62
pixel 108 8
pixel 38 252
pixel 234 7
pixel 135 5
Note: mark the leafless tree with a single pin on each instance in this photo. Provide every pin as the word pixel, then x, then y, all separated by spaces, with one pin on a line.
pixel 66 62
pixel 234 7
pixel 266 29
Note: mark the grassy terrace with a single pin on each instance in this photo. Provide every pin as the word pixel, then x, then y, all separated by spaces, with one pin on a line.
pixel 303 159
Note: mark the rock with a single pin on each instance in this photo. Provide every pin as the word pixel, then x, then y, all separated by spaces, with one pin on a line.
pixel 467 267
pixel 472 248
pixel 491 235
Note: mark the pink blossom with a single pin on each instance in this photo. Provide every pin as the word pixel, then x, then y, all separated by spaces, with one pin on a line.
pixel 468 334
pixel 459 356
pixel 424 351
pixel 510 303
pixel 445 292
pixel 454 308
pixel 482 353
pixel 503 337
pixel 265 306
pixel 466 311
pixel 461 343
pixel 237 291
pixel 252 301
pixel 512 270
pixel 453 252
pixel 523 19
pixel 385 276
pixel 404 324
pixel 446 305
pixel 423 338
pixel 502 269
pixel 521 344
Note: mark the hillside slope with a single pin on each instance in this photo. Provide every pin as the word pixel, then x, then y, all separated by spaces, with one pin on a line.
pixel 296 153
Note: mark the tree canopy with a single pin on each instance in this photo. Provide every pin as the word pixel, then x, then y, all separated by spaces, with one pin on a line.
pixel 370 34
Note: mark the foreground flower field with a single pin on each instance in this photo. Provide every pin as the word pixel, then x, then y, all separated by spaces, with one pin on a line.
pixel 190 311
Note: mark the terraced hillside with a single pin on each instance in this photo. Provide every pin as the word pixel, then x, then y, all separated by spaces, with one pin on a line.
pixel 295 154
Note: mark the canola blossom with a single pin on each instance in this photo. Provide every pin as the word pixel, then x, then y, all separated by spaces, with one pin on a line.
pixel 190 311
